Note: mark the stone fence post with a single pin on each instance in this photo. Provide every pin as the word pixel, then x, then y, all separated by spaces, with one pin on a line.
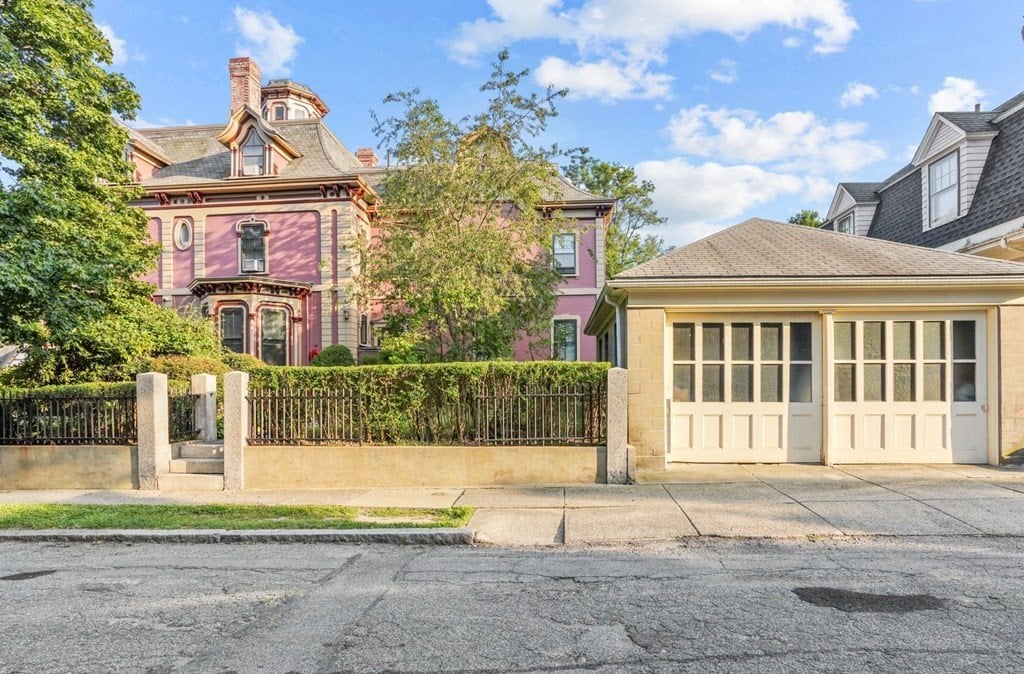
pixel 154 449
pixel 205 386
pixel 617 448
pixel 236 428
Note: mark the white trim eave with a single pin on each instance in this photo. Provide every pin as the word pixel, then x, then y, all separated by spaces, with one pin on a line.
pixel 1009 280
pixel 835 201
pixel 929 135
pixel 985 237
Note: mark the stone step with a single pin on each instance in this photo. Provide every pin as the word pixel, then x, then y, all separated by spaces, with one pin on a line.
pixel 199 450
pixel 189 482
pixel 197 466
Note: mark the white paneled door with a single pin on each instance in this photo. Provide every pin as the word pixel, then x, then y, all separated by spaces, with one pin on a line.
pixel 910 389
pixel 744 389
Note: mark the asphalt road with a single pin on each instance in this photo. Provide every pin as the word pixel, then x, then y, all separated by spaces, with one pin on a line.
pixel 878 604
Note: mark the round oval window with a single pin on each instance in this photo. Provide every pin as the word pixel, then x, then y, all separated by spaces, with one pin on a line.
pixel 183 234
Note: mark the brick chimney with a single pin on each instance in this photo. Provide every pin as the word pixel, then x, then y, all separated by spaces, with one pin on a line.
pixel 367 157
pixel 246 79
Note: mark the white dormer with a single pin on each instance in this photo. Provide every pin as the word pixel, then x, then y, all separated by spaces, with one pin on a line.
pixel 850 216
pixel 951 161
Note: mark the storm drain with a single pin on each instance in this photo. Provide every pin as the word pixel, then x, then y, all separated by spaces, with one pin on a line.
pixel 849 601
pixel 27 575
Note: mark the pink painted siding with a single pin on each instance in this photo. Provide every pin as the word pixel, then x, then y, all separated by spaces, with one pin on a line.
pixel 293 246
pixel 569 306
pixel 183 259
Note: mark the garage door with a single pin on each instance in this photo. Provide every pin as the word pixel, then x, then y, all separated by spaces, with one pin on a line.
pixel 909 390
pixel 745 389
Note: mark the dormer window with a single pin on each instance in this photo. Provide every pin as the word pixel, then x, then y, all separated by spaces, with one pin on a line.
pixel 845 224
pixel 280 113
pixel 254 155
pixel 944 188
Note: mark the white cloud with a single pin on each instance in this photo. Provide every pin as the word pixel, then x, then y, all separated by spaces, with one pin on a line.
pixel 725 72
pixel 956 94
pixel 792 42
pixel 697 198
pixel 856 93
pixel 602 79
pixel 273 44
pixel 796 140
pixel 634 36
pixel 117 45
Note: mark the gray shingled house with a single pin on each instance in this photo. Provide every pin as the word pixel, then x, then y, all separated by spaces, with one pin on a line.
pixel 769 342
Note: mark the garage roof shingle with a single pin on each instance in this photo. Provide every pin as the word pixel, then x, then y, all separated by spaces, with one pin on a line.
pixel 760 248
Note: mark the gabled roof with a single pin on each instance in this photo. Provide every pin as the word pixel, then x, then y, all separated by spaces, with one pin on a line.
pixel 765 249
pixel 971 122
pixel 197 157
pixel 862 192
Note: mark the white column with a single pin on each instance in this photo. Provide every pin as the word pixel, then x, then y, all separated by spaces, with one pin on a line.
pixel 154 448
pixel 236 428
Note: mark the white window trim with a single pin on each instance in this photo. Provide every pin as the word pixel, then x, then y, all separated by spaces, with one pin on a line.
pixel 266 246
pixel 853 222
pixel 576 253
pixel 927 179
pixel 575 319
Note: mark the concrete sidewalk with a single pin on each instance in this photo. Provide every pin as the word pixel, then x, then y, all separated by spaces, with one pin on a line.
pixel 775 501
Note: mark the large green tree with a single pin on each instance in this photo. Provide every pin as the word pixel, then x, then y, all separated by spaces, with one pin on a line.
pixel 462 265
pixel 72 247
pixel 807 218
pixel 629 241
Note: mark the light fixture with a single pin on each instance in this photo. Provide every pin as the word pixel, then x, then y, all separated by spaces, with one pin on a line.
pixel 345 314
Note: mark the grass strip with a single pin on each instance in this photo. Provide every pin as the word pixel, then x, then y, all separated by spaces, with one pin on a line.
pixel 225 516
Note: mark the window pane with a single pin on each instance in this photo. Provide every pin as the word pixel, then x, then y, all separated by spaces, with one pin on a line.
pixel 232 330
pixel 963 383
pixel 274 337
pixel 565 340
pixel 963 340
pixel 846 382
pixel 934 381
pixel 712 385
pixel 682 383
pixel 943 173
pixel 903 340
pixel 800 383
pixel 903 382
pixel 565 253
pixel 771 341
pixel 874 340
pixel 934 340
pixel 771 383
pixel 844 341
pixel 712 333
pixel 743 383
pixel 743 341
pixel 944 204
pixel 800 341
pixel 682 341
pixel 874 381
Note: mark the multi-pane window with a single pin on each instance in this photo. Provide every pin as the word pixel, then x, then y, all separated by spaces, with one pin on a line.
pixel 232 329
pixel 904 361
pixel 253 248
pixel 742 362
pixel 845 224
pixel 274 337
pixel 565 339
pixel 564 253
pixel 254 155
pixel 943 188
pixel 280 113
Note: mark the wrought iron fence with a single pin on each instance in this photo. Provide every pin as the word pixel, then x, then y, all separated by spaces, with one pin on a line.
pixel 566 415
pixel 304 416
pixel 28 418
pixel 181 417
pixel 490 415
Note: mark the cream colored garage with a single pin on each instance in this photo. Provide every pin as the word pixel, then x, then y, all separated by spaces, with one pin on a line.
pixel 779 343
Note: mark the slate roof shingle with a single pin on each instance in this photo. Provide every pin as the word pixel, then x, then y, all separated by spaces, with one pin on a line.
pixel 862 192
pixel 760 248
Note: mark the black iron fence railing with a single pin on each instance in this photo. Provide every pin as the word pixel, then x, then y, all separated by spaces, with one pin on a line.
pixel 39 419
pixel 181 417
pixel 568 415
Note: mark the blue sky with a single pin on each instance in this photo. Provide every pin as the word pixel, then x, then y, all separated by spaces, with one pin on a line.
pixel 733 108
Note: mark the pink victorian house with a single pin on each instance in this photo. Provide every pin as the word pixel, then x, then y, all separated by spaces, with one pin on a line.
pixel 254 217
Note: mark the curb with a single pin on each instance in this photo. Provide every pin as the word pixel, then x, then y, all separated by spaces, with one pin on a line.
pixel 460 536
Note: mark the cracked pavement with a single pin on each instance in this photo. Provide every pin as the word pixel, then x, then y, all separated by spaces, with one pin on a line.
pixel 698 604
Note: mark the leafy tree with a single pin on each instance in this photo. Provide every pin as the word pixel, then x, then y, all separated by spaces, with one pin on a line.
pixel 807 218
pixel 628 242
pixel 462 265
pixel 71 246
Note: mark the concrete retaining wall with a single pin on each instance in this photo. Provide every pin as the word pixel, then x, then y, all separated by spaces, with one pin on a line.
pixel 319 467
pixel 68 467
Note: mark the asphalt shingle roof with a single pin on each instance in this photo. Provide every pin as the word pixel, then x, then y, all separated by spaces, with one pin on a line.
pixel 760 248
pixel 198 157
pixel 971 122
pixel 862 192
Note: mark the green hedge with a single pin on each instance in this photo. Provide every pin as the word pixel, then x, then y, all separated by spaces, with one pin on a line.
pixel 432 403
pixel 67 390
